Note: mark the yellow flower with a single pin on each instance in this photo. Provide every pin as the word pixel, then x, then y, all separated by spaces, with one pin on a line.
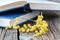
pixel 15 23
pixel 45 28
pixel 40 17
pixel 25 26
pixel 41 27
pixel 29 25
pixel 8 27
pixel 35 35
pixel 14 27
pixel 22 30
pixel 36 31
pixel 16 19
pixel 38 26
pixel 33 28
pixel 42 31
pixel 28 30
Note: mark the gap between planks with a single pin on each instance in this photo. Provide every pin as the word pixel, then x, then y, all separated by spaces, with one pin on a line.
pixel 8 35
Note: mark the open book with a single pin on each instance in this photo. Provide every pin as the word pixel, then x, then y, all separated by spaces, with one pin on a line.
pixel 34 4
pixel 22 17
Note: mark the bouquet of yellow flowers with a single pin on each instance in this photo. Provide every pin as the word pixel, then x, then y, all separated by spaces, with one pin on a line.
pixel 40 27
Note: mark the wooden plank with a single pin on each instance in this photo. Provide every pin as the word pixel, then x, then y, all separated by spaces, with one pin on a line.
pixel 11 35
pixel 2 34
pixel 8 35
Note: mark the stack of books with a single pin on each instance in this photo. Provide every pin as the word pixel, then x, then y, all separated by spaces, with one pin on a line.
pixel 11 9
pixel 9 18
pixel 34 4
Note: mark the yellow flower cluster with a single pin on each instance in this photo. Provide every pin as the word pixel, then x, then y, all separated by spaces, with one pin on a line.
pixel 41 27
pixel 14 25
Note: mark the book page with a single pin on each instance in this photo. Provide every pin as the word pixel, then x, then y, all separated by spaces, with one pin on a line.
pixel 4 22
pixel 41 1
pixel 9 4
pixel 5 2
pixel 43 5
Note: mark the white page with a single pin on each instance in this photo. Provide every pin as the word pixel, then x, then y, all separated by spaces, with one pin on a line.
pixel 43 5
pixel 5 2
pixel 41 1
pixel 36 4
pixel 4 22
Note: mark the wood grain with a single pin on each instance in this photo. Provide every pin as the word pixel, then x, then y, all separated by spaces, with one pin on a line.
pixel 8 35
